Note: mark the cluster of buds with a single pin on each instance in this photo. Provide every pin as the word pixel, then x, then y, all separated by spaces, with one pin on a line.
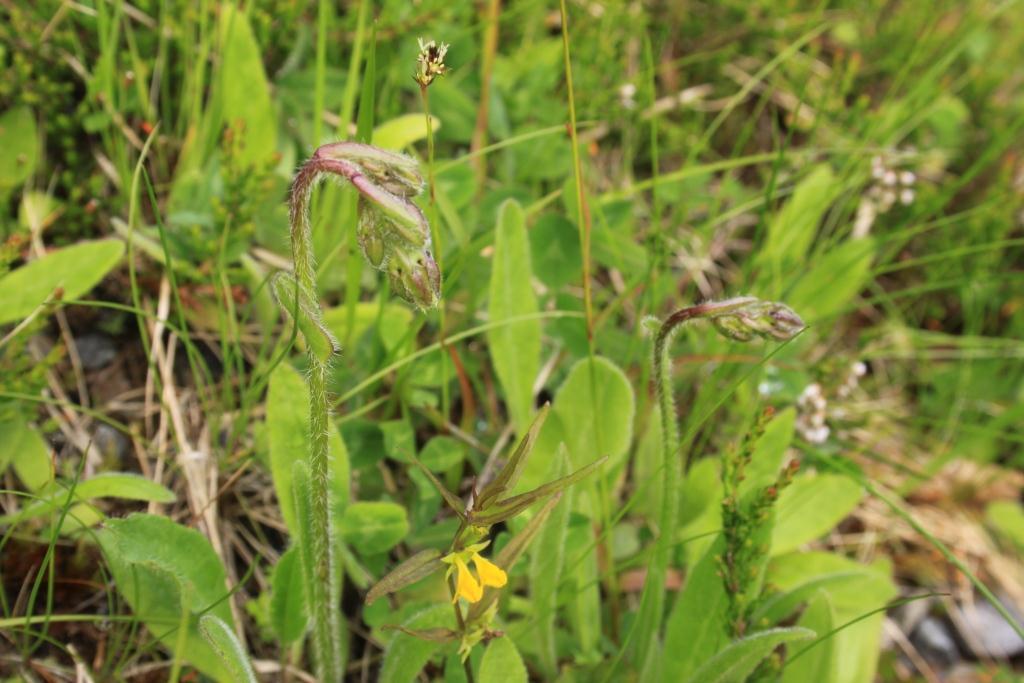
pixel 393 232
pixel 430 62
pixel 755 318
pixel 890 185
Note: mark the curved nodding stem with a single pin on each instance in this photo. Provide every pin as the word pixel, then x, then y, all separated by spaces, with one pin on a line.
pixel 395 237
pixel 741 319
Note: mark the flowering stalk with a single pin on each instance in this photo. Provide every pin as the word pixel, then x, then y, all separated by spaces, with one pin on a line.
pixel 395 238
pixel 741 319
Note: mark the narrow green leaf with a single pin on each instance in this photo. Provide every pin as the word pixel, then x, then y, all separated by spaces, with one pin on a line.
pixel 551 487
pixel 691 639
pixel 515 348
pixel 792 231
pixel 834 281
pixel 288 437
pixel 501 663
pixel 305 312
pixel 224 641
pixel 546 561
pixel 104 485
pixel 75 270
pixel 740 658
pixel 507 478
pixel 419 566
pixel 288 615
pixel 454 502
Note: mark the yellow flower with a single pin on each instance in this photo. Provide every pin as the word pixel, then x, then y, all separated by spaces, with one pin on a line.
pixel 465 585
pixel 490 573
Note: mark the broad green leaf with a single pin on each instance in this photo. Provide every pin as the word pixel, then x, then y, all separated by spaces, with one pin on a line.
pixel 374 527
pixel 288 436
pixel 769 452
pixel 23 447
pixel 833 283
pixel 515 348
pixel 782 604
pixel 75 270
pixel 546 560
pixel 390 323
pixel 691 639
pixel 739 659
pixel 818 664
pixel 811 506
pixel 402 131
pixel 405 656
pixel 595 405
pixel 501 663
pixel 793 229
pixel 442 453
pixel 555 250
pixel 20 144
pixel 288 615
pixel 399 439
pixel 225 643
pixel 243 92
pixel 856 645
pixel 419 566
pixel 159 567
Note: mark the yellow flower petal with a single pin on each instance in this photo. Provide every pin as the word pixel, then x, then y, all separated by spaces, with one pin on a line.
pixel 465 585
pixel 490 573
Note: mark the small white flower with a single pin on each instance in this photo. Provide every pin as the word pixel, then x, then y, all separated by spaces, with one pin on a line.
pixel 906 196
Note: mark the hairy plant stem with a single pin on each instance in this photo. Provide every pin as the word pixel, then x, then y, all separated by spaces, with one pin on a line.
pixel 653 599
pixel 324 593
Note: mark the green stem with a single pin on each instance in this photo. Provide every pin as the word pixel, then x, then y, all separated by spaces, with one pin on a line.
pixel 323 594
pixel 653 599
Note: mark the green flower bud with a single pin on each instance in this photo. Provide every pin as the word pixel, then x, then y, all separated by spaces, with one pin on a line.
pixel 415 277
pixel 767 319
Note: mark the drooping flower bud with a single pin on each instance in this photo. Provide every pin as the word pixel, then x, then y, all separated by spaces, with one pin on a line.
pixel 767 319
pixel 414 276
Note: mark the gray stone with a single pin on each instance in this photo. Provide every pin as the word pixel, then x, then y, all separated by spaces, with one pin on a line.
pixel 935 643
pixel 990 629
pixel 111 443
pixel 95 350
